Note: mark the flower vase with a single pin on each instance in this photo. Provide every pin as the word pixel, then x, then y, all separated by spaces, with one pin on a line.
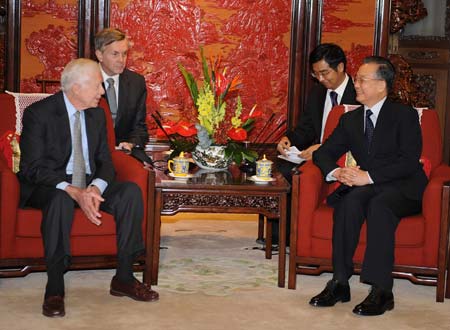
pixel 212 158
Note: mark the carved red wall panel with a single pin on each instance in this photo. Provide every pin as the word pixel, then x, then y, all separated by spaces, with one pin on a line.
pixel 350 24
pixel 252 37
pixel 48 41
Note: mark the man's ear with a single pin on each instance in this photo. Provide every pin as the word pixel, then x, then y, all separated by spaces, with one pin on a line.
pixel 99 55
pixel 340 67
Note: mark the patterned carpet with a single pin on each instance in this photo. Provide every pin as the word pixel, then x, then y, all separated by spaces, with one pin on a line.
pixel 214 258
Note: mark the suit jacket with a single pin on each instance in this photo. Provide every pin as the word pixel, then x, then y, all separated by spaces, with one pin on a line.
pixel 130 123
pixel 46 145
pixel 394 151
pixel 309 126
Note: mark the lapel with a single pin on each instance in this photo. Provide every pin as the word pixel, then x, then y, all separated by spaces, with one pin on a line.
pixel 123 87
pixel 91 128
pixel 320 105
pixel 63 126
pixel 383 125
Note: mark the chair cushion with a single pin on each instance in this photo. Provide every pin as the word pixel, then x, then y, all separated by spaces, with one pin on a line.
pixel 29 224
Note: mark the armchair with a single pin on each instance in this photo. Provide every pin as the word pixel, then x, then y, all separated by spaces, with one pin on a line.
pixel 421 249
pixel 21 250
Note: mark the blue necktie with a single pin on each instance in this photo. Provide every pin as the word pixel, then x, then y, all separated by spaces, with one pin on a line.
pixel 333 97
pixel 369 127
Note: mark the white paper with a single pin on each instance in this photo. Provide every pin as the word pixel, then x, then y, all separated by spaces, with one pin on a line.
pixel 292 155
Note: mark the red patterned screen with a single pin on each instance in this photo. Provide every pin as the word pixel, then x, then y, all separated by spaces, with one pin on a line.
pixel 48 41
pixel 350 24
pixel 252 37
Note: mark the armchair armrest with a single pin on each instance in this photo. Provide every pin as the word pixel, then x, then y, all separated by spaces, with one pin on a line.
pixel 311 186
pixel 432 207
pixel 130 169
pixel 9 202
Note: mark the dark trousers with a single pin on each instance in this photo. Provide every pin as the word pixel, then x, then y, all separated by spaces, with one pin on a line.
pixel 122 199
pixel 382 207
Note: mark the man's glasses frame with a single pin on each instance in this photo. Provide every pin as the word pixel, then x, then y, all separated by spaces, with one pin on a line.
pixel 322 73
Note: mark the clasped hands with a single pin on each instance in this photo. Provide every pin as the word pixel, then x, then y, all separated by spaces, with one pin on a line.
pixel 89 200
pixel 352 176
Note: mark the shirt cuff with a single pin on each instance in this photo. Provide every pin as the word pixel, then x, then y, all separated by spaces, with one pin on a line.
pixel 370 179
pixel 62 185
pixel 330 176
pixel 100 184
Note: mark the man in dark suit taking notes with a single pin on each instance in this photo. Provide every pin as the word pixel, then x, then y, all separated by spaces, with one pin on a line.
pixel 328 64
pixel 386 185
pixel 65 163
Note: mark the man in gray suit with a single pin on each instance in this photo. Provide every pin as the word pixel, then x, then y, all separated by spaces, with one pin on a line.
pixel 126 91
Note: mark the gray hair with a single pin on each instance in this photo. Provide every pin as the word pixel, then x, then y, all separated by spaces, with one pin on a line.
pixel 76 72
pixel 108 36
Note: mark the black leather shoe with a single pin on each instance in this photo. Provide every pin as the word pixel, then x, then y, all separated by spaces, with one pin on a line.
pixel 333 292
pixel 376 303
pixel 53 306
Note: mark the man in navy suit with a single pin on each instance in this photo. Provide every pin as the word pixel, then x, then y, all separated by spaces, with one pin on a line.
pixel 127 102
pixel 328 64
pixel 386 185
pixel 48 168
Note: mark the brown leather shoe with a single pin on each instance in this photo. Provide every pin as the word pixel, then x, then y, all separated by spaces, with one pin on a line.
pixel 135 290
pixel 53 306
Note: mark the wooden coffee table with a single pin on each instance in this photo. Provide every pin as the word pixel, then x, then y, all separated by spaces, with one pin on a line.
pixel 216 192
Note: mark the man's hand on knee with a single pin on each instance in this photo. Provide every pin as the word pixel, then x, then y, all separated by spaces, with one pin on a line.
pixel 89 200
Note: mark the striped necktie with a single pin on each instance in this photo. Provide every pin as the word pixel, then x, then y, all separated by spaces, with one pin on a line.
pixel 112 99
pixel 79 167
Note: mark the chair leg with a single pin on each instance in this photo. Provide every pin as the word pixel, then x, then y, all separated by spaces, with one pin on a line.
pixel 447 290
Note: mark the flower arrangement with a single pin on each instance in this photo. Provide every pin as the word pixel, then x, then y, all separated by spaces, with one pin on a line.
pixel 215 126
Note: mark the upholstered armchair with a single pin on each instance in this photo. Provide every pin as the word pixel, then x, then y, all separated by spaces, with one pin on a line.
pixel 421 250
pixel 21 250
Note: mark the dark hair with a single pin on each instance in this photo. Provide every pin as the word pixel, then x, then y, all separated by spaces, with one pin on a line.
pixel 107 36
pixel 330 53
pixel 385 71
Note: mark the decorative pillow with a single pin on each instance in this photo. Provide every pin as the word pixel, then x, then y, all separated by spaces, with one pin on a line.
pixel 9 146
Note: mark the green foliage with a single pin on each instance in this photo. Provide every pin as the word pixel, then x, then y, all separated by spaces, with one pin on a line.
pixel 237 152
pixel 190 82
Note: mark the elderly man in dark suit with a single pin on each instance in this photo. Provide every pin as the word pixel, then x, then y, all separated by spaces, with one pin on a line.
pixel 126 91
pixel 65 163
pixel 386 185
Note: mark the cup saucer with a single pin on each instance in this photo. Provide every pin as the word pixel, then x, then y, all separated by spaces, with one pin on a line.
pixel 181 177
pixel 261 180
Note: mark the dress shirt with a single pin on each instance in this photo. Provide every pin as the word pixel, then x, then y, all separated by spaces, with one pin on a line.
pixel 375 112
pixel 99 183
pixel 116 83
pixel 328 106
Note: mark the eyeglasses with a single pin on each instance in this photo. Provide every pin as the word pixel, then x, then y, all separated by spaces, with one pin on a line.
pixel 362 80
pixel 322 73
